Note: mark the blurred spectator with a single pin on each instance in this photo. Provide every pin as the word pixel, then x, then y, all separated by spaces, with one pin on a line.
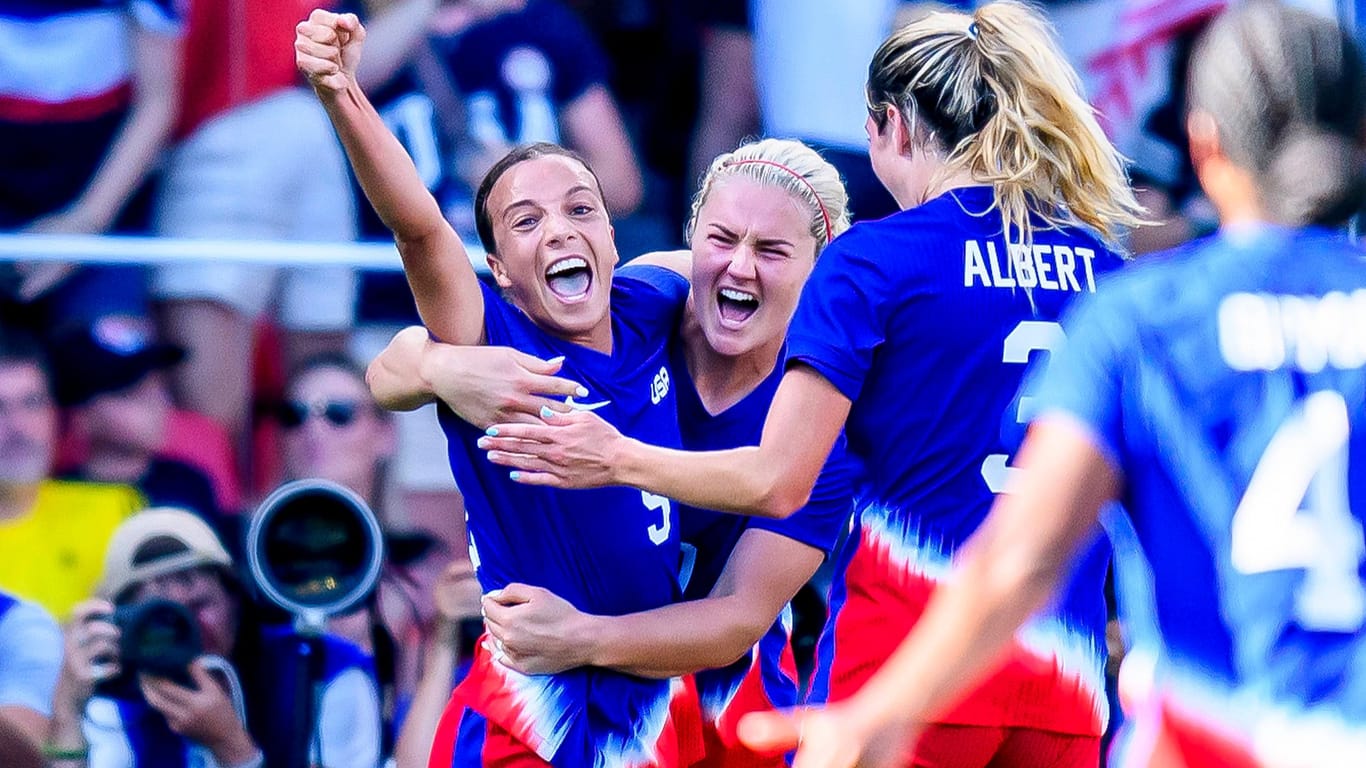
pixel 653 53
pixel 334 431
pixel 820 99
pixel 1163 175
pixel 255 159
pixel 30 655
pixel 88 94
pixel 52 533
pixel 728 107
pixel 332 427
pixel 110 376
pixel 129 718
pixel 492 74
pixel 449 647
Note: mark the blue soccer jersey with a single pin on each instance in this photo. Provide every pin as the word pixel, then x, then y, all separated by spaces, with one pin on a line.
pixel 926 320
pixel 607 551
pixel 762 679
pixel 1227 383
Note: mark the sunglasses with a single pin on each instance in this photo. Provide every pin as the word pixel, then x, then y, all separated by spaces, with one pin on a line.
pixel 292 414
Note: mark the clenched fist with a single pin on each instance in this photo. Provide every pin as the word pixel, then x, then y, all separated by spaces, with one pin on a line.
pixel 327 49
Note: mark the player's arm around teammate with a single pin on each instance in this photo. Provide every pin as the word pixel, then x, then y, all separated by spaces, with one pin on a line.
pixel 542 633
pixel 483 385
pixel 773 479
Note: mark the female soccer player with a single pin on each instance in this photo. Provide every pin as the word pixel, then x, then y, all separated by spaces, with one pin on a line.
pixel 543 223
pixel 914 330
pixel 759 221
pixel 1220 392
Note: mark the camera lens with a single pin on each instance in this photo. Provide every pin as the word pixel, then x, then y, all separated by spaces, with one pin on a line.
pixel 318 548
pixel 157 637
pixel 315 546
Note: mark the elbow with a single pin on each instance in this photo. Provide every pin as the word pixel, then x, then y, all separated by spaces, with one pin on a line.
pixel 779 500
pixel 375 380
pixel 381 384
pixel 738 640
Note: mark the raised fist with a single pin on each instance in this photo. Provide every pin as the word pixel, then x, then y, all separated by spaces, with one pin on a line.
pixel 327 49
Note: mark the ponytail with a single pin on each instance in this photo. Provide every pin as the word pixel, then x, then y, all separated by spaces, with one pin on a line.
pixel 1043 148
pixel 997 92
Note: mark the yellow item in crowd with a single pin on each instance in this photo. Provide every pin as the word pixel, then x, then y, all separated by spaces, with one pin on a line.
pixel 54 554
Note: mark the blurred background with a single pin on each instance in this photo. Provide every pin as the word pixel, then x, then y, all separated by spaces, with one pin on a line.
pixel 191 283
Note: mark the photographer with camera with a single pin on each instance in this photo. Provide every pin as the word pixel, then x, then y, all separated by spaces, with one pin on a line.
pixel 172 666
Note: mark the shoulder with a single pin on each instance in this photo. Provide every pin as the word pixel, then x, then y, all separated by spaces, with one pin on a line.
pixel 895 244
pixel 342 655
pixel 649 293
pixel 1148 278
pixel 27 626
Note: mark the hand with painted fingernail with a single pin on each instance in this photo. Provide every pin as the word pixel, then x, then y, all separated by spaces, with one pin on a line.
pixel 565 450
pixel 493 385
pixel 536 632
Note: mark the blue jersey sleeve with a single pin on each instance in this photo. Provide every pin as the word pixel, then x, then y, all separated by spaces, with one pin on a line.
pixel 826 514
pixel 1084 378
pixel 841 318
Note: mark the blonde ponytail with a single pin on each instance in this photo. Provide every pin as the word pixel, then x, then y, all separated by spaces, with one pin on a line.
pixel 996 91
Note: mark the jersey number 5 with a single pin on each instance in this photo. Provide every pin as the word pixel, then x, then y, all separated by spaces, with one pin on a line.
pixel 1029 336
pixel 659 533
pixel 1295 515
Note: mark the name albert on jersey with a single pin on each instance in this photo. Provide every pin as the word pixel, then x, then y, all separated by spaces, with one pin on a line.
pixel 1055 267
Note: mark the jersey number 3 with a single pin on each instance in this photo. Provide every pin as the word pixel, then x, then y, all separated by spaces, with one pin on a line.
pixel 1295 515
pixel 1029 336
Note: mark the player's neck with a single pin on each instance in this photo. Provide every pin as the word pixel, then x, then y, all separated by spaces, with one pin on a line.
pixel 17 499
pixel 598 338
pixel 721 381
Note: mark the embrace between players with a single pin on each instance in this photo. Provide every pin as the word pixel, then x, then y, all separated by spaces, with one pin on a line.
pixel 655 459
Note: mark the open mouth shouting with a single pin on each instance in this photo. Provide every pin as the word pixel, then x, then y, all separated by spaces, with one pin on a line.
pixel 736 306
pixel 570 278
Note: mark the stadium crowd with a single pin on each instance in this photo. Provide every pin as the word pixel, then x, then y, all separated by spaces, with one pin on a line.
pixel 147 410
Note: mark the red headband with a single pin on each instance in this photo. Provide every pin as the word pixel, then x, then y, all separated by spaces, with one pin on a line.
pixel 825 215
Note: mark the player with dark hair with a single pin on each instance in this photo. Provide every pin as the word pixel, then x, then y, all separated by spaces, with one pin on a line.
pixel 549 244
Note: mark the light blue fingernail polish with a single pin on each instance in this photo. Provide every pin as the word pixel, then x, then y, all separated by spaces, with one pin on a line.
pixel 491 431
pixel 514 475
pixel 581 391
pixel 546 412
